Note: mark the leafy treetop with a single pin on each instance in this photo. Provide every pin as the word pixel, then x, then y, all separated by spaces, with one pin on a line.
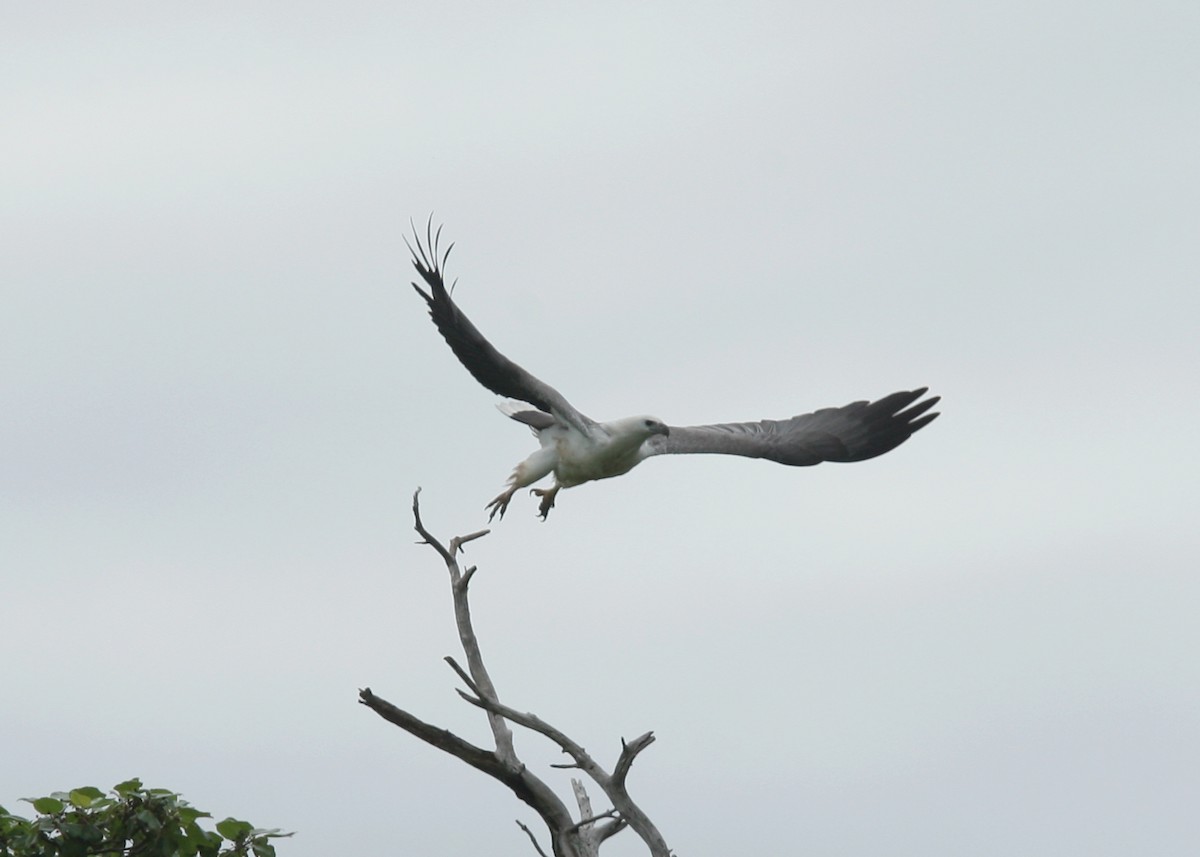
pixel 133 821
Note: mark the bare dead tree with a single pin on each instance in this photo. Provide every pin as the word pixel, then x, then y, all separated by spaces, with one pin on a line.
pixel 569 837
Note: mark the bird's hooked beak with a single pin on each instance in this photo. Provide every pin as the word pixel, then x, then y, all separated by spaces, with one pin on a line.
pixel 663 429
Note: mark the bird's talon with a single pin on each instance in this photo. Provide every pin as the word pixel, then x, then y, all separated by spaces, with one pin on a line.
pixel 498 506
pixel 547 495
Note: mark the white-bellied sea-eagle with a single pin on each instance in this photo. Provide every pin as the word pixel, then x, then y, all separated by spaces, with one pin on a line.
pixel 577 449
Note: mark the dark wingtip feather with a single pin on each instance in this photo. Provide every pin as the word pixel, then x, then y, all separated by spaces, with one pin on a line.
pixel 918 409
pixel 428 262
pixel 889 422
pixel 488 366
pixel 916 425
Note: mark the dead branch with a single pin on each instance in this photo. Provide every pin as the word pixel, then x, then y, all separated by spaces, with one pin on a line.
pixel 568 838
pixel 592 819
pixel 532 838
pixel 613 786
pixel 466 631
pixel 628 754
pixel 582 801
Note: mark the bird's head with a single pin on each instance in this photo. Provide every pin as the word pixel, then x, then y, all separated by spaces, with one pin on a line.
pixel 653 425
pixel 632 432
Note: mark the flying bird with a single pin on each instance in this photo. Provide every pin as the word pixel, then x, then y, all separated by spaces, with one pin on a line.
pixel 578 449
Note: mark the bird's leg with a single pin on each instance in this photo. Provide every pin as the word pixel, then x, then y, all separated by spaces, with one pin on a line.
pixel 526 473
pixel 547 495
pixel 500 504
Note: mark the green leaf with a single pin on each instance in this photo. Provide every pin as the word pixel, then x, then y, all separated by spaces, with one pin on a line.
pixel 188 814
pixel 231 828
pixel 149 819
pixel 83 832
pixel 128 787
pixel 84 797
pixel 47 805
pixel 72 848
pixel 270 833
pixel 207 842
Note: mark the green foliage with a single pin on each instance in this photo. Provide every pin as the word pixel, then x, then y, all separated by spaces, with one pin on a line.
pixel 133 822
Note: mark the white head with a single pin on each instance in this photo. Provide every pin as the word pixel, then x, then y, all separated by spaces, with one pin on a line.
pixel 642 427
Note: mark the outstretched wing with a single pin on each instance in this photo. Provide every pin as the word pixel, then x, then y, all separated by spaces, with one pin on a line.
pixel 855 432
pixel 490 368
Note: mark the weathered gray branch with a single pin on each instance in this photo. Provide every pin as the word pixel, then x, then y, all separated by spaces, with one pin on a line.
pixel 568 838
pixel 466 632
pixel 532 838
pixel 612 785
pixel 524 785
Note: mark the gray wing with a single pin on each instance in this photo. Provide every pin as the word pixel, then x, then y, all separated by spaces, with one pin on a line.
pixel 854 432
pixel 489 367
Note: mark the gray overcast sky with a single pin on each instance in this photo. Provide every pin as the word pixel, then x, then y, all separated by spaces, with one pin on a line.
pixel 219 393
